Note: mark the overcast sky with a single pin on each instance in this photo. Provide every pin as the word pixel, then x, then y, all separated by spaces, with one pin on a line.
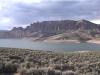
pixel 15 13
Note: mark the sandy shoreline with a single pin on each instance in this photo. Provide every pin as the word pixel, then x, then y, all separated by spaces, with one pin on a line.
pixel 94 41
pixel 71 41
pixel 62 41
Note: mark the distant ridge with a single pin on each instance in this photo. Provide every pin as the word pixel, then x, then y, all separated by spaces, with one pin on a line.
pixel 51 28
pixel 4 30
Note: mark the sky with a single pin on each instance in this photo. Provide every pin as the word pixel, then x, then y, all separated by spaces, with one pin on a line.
pixel 16 13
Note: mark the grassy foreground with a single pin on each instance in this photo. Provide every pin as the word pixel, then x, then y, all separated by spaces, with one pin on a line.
pixel 15 61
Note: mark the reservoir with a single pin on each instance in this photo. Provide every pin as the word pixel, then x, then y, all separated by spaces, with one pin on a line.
pixel 28 44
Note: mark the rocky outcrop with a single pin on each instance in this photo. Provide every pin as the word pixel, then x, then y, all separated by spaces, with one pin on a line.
pixel 49 28
pixel 61 26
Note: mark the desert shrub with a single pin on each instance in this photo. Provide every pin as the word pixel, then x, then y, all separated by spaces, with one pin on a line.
pixel 63 67
pixel 58 72
pixel 23 71
pixel 28 65
pixel 31 71
pixel 68 73
pixel 57 67
pixel 1 67
pixel 37 72
pixel 51 72
pixel 10 68
pixel 68 67
pixel 14 57
pixel 29 59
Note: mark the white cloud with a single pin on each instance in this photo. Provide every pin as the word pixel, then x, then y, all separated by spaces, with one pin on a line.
pixel 28 1
pixel 23 12
pixel 96 21
pixel 0 7
pixel 8 23
pixel 5 20
pixel 23 1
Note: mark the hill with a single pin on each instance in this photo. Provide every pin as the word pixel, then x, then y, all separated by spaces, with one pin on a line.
pixel 51 28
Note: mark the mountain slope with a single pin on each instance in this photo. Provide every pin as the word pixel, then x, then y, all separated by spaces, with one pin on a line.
pixel 51 28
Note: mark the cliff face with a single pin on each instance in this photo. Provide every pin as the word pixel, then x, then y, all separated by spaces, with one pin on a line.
pixel 49 28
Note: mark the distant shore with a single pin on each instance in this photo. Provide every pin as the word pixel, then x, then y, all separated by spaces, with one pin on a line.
pixel 64 41
pixel 94 41
pixel 72 41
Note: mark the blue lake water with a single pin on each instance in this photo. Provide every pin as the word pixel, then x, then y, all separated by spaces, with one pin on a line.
pixel 19 43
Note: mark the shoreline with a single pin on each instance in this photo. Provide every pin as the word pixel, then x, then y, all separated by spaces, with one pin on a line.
pixel 94 41
pixel 58 41
pixel 61 41
pixel 71 41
